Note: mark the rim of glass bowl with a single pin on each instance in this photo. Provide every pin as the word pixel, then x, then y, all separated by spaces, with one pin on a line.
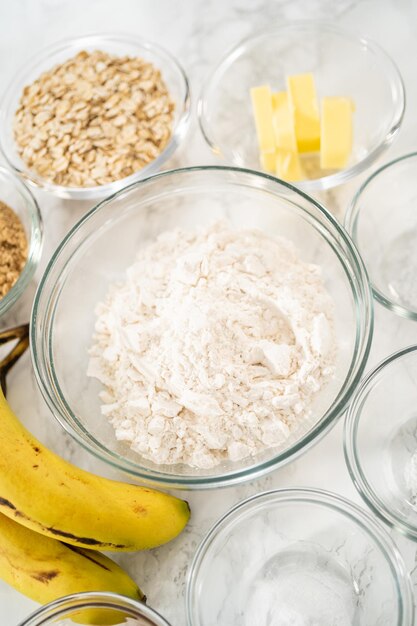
pixel 74 44
pixel 392 73
pixel 92 599
pixel 331 500
pixel 35 241
pixel 351 225
pixel 41 342
pixel 352 457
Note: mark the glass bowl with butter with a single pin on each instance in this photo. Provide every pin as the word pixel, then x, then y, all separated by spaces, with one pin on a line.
pixel 335 103
pixel 181 206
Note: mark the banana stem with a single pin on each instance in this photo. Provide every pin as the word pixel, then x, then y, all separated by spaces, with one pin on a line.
pixel 21 333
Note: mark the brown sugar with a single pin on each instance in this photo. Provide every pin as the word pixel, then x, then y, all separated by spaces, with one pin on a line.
pixel 13 248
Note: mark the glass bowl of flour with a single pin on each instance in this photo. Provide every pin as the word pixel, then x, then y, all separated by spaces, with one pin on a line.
pixel 202 327
pixel 298 557
pixel 381 440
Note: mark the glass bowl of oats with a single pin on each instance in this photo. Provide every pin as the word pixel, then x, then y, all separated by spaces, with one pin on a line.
pixel 90 115
pixel 20 238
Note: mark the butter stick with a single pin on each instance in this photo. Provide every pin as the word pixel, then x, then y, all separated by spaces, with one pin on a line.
pixel 303 102
pixel 262 110
pixel 336 132
pixel 283 122
pixel 288 166
pixel 268 161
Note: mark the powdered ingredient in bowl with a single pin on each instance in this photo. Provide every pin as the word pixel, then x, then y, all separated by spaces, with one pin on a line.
pixel 213 347
pixel 410 475
pixel 13 248
pixel 93 119
pixel 326 599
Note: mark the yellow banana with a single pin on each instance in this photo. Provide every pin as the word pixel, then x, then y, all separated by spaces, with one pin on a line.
pixel 45 493
pixel 45 569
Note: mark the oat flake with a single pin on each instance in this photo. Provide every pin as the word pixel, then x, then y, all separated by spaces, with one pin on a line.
pixel 213 346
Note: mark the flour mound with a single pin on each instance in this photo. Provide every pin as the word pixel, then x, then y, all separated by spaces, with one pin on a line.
pixel 213 347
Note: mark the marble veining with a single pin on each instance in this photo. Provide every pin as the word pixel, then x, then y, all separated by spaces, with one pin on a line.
pixel 198 32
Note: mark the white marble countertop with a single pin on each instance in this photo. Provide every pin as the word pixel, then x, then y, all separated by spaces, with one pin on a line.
pixel 197 32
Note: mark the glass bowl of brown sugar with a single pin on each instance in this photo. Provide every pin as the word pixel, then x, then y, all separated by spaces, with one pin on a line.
pixel 20 238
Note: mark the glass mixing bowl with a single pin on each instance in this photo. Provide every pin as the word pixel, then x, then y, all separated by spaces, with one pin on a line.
pixel 17 196
pixel 119 45
pixel 342 65
pixel 381 440
pixel 298 556
pixel 105 242
pixel 382 220
pixel 99 609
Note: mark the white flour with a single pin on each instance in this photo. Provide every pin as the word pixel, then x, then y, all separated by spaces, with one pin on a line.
pixel 410 475
pixel 301 600
pixel 213 347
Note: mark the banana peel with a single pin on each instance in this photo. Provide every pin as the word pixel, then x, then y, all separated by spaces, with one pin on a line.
pixel 54 517
pixel 45 569
pixel 43 492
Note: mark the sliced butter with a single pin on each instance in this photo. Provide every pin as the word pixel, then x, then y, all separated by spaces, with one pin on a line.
pixel 303 101
pixel 268 161
pixel 283 122
pixel 336 132
pixel 288 166
pixel 262 110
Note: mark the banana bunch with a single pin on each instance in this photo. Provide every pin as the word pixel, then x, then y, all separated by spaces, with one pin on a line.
pixel 45 569
pixel 45 493
pixel 55 516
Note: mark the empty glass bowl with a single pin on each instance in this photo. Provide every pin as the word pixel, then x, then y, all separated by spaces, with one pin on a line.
pixel 381 440
pixel 100 609
pixel 382 220
pixel 105 242
pixel 17 196
pixel 294 557
pixel 119 45
pixel 342 65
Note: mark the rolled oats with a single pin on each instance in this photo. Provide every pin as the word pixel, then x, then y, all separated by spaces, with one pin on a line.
pixel 94 119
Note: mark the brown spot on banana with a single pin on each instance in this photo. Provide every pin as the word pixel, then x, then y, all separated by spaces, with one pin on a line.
pixel 139 509
pixel 62 534
pixel 81 552
pixel 7 503
pixel 45 577
pixel 87 541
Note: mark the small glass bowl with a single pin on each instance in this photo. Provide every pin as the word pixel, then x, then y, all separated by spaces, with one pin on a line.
pixel 298 556
pixel 381 439
pixel 97 608
pixel 17 196
pixel 382 220
pixel 119 45
pixel 100 248
pixel 342 65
